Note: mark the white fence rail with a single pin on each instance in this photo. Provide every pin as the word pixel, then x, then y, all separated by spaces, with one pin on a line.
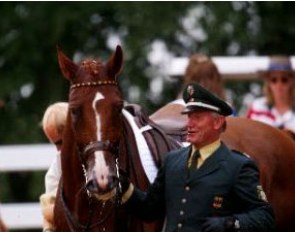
pixel 24 158
pixel 231 67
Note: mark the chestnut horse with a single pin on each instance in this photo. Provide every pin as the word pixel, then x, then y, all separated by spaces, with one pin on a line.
pixel 98 141
pixel 96 146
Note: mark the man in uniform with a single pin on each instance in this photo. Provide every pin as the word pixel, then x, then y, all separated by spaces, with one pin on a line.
pixel 204 187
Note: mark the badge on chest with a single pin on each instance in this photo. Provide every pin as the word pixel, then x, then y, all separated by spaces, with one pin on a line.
pixel 217 202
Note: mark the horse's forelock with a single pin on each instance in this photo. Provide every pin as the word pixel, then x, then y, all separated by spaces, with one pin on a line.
pixel 91 66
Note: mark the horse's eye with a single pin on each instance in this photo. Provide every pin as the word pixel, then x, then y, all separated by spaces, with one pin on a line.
pixel 75 112
pixel 119 106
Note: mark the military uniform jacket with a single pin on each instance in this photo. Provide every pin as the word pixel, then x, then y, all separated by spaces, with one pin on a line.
pixel 227 184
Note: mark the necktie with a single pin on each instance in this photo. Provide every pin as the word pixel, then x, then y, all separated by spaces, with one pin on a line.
pixel 194 163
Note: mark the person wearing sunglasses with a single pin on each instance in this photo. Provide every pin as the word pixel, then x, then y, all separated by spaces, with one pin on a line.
pixel 277 106
pixel 53 124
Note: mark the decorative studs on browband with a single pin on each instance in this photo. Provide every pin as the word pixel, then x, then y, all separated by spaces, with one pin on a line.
pixel 93 83
pixel 91 65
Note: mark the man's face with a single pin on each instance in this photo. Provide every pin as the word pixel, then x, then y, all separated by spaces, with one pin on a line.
pixel 203 127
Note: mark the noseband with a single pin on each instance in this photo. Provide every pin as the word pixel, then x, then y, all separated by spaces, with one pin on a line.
pixel 112 148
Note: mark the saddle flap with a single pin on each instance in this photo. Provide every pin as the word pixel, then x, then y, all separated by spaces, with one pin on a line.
pixel 158 141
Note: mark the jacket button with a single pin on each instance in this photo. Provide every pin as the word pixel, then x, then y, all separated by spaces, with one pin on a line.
pixel 187 188
pixel 181 213
pixel 183 200
pixel 179 225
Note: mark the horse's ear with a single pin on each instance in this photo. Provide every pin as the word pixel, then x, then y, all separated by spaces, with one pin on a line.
pixel 67 66
pixel 114 64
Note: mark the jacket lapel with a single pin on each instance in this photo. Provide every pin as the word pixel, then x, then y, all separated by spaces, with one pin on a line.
pixel 183 162
pixel 212 163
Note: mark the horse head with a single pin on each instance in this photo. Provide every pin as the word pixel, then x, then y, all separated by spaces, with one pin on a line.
pixel 95 105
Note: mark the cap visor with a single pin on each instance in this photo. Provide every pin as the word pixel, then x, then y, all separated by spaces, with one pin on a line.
pixel 190 109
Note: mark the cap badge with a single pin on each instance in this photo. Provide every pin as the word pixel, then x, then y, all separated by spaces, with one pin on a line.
pixel 190 90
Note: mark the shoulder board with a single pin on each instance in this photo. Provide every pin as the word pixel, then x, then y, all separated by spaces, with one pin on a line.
pixel 241 153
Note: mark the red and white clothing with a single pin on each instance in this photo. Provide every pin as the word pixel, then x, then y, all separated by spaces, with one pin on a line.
pixel 261 111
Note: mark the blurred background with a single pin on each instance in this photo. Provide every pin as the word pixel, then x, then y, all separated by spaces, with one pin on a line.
pixel 152 35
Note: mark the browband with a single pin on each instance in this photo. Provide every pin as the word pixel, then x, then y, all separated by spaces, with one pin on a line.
pixel 93 83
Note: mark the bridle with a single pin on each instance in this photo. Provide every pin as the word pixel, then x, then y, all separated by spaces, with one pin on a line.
pixel 111 148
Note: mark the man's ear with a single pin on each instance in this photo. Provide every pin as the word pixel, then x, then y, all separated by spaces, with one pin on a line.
pixel 219 122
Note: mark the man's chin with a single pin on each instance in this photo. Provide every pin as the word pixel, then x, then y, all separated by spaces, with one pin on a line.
pixel 189 139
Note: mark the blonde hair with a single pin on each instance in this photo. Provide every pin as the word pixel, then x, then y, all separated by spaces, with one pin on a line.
pixel 54 119
pixel 201 69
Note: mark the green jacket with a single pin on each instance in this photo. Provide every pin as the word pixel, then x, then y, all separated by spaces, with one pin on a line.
pixel 227 184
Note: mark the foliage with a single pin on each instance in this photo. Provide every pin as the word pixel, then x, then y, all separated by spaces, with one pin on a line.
pixel 30 33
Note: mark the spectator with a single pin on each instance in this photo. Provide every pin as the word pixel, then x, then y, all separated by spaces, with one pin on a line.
pixel 53 124
pixel 277 106
pixel 202 70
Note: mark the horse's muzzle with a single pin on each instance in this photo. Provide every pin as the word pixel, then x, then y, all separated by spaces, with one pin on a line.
pixel 94 187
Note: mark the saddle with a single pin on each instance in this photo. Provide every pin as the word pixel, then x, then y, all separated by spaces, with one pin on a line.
pixel 170 119
pixel 159 140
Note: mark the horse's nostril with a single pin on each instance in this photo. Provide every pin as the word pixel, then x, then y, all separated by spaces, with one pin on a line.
pixel 92 186
pixel 113 180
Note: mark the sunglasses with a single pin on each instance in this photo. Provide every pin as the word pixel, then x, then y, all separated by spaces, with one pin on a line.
pixel 283 80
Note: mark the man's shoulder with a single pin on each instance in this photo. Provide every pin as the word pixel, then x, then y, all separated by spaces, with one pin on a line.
pixel 240 155
pixel 235 155
pixel 235 161
pixel 241 158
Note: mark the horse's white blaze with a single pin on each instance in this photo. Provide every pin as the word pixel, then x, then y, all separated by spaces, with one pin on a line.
pixel 98 97
pixel 100 167
pixel 101 170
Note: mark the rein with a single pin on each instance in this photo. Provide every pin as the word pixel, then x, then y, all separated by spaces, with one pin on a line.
pixel 74 224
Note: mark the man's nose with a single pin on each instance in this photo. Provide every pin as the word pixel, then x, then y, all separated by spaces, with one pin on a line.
pixel 189 125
